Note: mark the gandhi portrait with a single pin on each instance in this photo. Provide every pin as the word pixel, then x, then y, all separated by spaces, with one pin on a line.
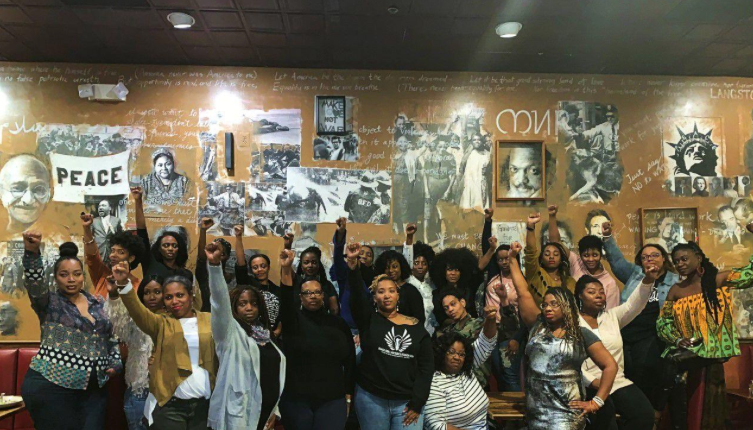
pixel 24 190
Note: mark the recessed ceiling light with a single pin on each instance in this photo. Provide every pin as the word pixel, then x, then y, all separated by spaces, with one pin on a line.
pixel 181 20
pixel 508 29
pixel 393 10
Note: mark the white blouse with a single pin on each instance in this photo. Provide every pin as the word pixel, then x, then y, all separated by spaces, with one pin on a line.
pixel 459 399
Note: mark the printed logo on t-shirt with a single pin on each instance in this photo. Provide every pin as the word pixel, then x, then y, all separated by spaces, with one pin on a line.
pixel 654 297
pixel 397 343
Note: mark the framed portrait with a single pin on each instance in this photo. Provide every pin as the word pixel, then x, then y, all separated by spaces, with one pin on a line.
pixel 520 170
pixel 330 115
pixel 669 227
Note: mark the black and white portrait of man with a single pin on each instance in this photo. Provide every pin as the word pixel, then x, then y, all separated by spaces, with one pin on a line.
pixel 24 190
pixel 109 216
pixel 521 175
pixel 695 153
pixel 8 319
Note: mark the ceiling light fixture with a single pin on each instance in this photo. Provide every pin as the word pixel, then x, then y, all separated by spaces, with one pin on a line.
pixel 508 29
pixel 181 20
pixel 393 10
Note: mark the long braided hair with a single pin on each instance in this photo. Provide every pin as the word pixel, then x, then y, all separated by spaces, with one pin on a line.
pixel 570 316
pixel 708 274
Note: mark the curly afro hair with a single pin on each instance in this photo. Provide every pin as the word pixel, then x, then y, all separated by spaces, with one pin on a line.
pixel 131 243
pixel 443 343
pixel 383 261
pixel 462 259
pixel 421 249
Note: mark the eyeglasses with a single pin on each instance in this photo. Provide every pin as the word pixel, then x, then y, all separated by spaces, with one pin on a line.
pixel 455 353
pixel 649 257
pixel 311 293
pixel 39 191
pixel 169 245
pixel 553 305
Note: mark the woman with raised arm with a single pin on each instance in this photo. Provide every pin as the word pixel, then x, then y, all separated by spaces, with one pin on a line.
pixel 394 376
pixel 641 345
pixel 321 354
pixel 549 269
pixel 310 267
pixel 697 327
pixel 185 365
pixel 200 271
pixel 259 278
pixel 252 369
pixel 625 398
pixel 587 261
pixel 64 386
pixel 556 350
pixel 457 400
pixel 394 265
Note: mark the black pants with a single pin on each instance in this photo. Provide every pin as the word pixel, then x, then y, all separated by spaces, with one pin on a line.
pixel 53 407
pixel 636 412
pixel 643 366
pixel 299 414
pixel 179 414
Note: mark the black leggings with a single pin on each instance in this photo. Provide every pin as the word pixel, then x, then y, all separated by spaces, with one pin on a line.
pixel 643 366
pixel 636 412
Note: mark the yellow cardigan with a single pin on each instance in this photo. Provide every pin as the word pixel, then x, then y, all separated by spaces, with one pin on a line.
pixel 172 363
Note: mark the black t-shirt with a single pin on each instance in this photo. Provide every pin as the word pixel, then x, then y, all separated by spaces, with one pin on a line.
pixel 270 291
pixel 397 361
pixel 411 303
pixel 644 325
pixel 269 381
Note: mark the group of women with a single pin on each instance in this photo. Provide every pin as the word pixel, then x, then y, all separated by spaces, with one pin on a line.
pixel 406 341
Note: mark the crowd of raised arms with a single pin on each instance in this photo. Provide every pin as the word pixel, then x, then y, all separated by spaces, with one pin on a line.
pixel 410 340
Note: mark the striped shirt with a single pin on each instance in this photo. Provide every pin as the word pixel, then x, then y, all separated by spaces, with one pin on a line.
pixel 459 399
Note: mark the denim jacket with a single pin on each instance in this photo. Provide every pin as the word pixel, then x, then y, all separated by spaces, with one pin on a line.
pixel 632 275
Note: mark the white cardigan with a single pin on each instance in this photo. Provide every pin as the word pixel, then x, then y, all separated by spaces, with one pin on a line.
pixel 610 322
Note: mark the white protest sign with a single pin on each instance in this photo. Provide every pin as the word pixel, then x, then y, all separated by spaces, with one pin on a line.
pixel 76 177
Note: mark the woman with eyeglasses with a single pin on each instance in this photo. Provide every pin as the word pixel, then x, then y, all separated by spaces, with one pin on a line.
pixel 139 347
pixel 641 345
pixel 310 267
pixel 183 374
pixel 625 398
pixel 456 399
pixel 556 350
pixel 321 357
pixel 395 372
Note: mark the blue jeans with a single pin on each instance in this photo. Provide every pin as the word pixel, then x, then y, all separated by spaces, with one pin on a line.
pixel 507 370
pixel 133 405
pixel 375 413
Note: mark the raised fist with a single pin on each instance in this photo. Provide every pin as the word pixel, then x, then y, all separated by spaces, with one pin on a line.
pixel 86 219
pixel 32 241
pixel 206 223
pixel 238 230
pixel 488 213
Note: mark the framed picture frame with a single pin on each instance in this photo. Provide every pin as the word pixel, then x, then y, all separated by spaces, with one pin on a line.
pixel 331 115
pixel 520 170
pixel 669 226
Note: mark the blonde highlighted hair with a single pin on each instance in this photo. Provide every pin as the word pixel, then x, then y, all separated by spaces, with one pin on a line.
pixel 378 279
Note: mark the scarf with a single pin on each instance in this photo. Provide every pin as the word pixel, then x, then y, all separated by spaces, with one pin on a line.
pixel 260 335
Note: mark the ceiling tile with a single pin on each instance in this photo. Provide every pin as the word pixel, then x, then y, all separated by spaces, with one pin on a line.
pixel 371 7
pixel 17 52
pixel 305 40
pixel 730 65
pixel 5 36
pixel 138 18
pixel 741 33
pixel 470 26
pixel 13 14
pixel 264 21
pixel 706 31
pixel 281 57
pixel 433 7
pixel 230 38
pixel 215 4
pixel 477 8
pixel 258 4
pixel 745 52
pixel 241 56
pixel 172 3
pixel 273 40
pixel 96 16
pixel 305 23
pixel 203 55
pixel 52 16
pixel 39 2
pixel 715 50
pixel 303 5
pixel 703 11
pixel 118 37
pixel 222 19
pixel 192 38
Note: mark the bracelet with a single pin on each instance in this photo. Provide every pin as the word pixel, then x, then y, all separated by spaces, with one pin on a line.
pixel 604 237
pixel 85 242
pixel 598 401
pixel 530 228
pixel 347 400
pixel 121 286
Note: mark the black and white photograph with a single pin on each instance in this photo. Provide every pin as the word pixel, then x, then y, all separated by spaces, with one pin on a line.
pixel 589 132
pixel 88 140
pixel 266 197
pixel 742 312
pixel 669 226
pixel 9 319
pixel 267 224
pixel 520 171
pixel 566 235
pixel 336 147
pixel 165 185
pixel 24 190
pixel 11 284
pixel 276 159
pixel 110 213
pixel 692 147
pixel 324 195
pixel 276 125
pixel 225 203
pixel 177 229
pixel 683 187
pixel 433 162
pixel 716 186
pixel 331 115
pixel 208 166
pixel 743 186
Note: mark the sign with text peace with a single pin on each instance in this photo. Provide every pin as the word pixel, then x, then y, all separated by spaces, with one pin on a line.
pixel 76 177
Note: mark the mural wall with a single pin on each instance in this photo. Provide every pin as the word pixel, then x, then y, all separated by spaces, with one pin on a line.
pixel 426 148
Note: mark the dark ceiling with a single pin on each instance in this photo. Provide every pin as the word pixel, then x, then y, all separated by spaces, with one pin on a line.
pixel 676 37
